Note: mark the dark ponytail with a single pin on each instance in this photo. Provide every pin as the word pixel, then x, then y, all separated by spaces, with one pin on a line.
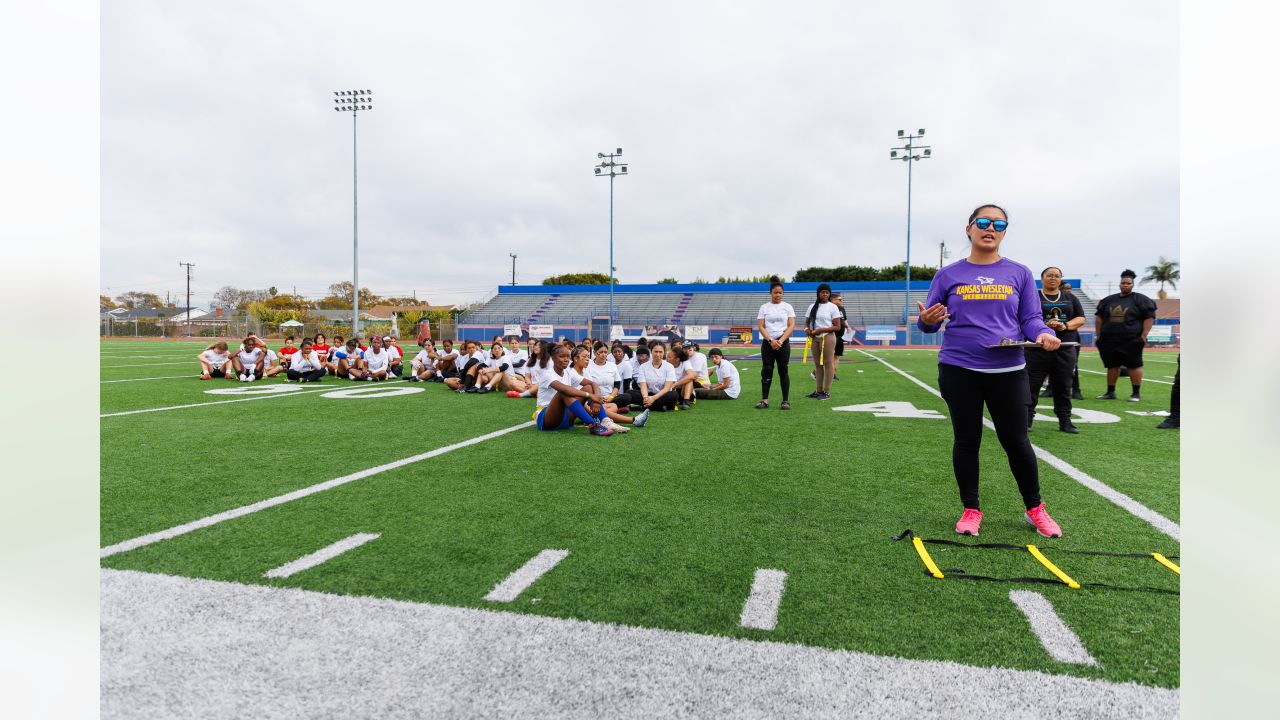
pixel 775 281
pixel 817 300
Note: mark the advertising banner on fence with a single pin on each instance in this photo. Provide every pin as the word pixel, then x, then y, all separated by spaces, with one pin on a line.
pixel 542 331
pixel 877 333
pixel 741 333
pixel 666 333
pixel 696 332
pixel 517 330
pixel 617 332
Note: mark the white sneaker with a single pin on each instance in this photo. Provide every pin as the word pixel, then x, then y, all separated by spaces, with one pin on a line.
pixel 614 426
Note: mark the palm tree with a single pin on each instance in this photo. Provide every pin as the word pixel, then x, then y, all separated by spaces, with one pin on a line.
pixel 1164 271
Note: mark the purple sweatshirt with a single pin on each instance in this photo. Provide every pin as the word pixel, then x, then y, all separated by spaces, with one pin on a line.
pixel 986 303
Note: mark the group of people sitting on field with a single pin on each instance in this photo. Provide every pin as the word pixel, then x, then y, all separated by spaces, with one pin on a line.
pixel 599 384
pixel 308 362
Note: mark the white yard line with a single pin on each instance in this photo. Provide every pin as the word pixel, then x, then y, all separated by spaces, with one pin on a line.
pixel 243 510
pixel 146 357
pixel 1144 379
pixel 1058 639
pixel 760 611
pixel 267 396
pixel 306 562
pixel 520 580
pixel 1137 509
pixel 181 647
pixel 166 377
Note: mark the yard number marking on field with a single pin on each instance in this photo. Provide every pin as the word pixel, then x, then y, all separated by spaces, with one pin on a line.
pixel 265 395
pixel 1058 639
pixel 243 510
pixel 893 409
pixel 760 611
pixel 1135 508
pixel 520 580
pixel 306 562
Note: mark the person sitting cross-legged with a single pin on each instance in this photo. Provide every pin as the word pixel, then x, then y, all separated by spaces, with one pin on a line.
pixel 305 364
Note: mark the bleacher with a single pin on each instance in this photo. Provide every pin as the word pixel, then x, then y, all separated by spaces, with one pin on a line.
pixel 866 303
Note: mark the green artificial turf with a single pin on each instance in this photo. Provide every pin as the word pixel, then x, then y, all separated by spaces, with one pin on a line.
pixel 665 525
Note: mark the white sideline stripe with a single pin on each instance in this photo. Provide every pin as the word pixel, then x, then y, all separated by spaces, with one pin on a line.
pixel 520 580
pixel 146 357
pixel 1137 509
pixel 178 647
pixel 1058 639
pixel 1144 379
pixel 176 362
pixel 166 377
pixel 265 396
pixel 760 611
pixel 243 510
pixel 306 562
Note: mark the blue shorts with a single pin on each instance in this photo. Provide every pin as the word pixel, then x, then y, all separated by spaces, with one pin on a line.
pixel 565 423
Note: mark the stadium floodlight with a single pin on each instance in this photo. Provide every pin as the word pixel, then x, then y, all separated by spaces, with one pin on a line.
pixel 348 102
pixel 611 168
pixel 907 156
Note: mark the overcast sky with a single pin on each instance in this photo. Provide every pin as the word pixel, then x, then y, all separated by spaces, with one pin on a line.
pixel 758 136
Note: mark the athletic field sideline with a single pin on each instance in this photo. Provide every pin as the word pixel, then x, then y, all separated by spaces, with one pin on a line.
pixel 408 492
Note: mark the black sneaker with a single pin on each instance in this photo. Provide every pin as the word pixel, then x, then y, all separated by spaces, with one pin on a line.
pixel 1135 398
pixel 472 389
pixel 1170 423
pixel 482 390
pixel 762 405
pixel 785 405
pixel 1107 396
pixel 1077 395
pixel 685 406
pixel 1067 427
pixel 824 396
pixel 813 395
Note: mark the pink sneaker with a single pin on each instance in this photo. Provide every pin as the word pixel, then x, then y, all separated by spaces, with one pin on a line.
pixel 599 429
pixel 1038 518
pixel 969 522
pixel 513 394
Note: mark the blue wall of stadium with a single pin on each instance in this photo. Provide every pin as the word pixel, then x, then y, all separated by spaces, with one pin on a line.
pixel 762 288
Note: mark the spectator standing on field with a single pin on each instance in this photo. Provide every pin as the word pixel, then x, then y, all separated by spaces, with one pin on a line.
pixel 1064 315
pixel 1174 421
pixel 1122 323
pixel 776 321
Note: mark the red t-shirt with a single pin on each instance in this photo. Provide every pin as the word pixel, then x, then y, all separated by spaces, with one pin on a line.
pixel 322 351
pixel 288 350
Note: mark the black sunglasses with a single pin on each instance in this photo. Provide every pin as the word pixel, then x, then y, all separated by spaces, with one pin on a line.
pixel 984 223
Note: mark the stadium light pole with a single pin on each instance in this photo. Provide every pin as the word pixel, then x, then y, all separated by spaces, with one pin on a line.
pixel 513 268
pixel 189 266
pixel 611 168
pixel 909 156
pixel 353 101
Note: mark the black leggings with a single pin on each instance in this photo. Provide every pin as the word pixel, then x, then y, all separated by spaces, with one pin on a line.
pixel 1057 364
pixel 309 375
pixel 1005 396
pixel 782 356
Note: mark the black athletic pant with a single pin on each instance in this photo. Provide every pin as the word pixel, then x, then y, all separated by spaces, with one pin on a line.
pixel 1058 365
pixel 627 398
pixel 665 402
pixel 309 375
pixel 467 379
pixel 1005 397
pixel 1175 406
pixel 781 356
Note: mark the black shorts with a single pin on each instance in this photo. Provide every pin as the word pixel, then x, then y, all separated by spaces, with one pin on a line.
pixel 217 371
pixel 839 345
pixel 1126 352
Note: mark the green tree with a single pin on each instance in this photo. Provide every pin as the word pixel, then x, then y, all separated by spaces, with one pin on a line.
pixel 134 299
pixel 668 281
pixel 1164 271
pixel 749 279
pixel 579 279
pixel 105 303
pixel 339 297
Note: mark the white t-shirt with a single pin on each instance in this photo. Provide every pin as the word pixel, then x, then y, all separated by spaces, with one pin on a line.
pixel 655 377
pixel 375 360
pixel 394 352
pixel 626 368
pixel 249 359
pixel 547 375
pixel 697 362
pixel 514 357
pixel 826 315
pixel 494 362
pixel 451 354
pixel 422 359
pixel 303 363
pixel 215 358
pixel 603 375
pixel 726 372
pixel 775 318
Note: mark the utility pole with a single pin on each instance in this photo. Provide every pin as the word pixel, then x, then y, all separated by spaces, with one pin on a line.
pixel 513 268
pixel 609 162
pixel 942 253
pixel 909 157
pixel 189 266
pixel 353 101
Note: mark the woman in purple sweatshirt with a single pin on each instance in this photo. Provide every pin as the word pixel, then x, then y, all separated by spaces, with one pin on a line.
pixel 990 300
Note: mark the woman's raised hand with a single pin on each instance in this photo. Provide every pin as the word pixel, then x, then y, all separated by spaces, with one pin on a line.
pixel 933 314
